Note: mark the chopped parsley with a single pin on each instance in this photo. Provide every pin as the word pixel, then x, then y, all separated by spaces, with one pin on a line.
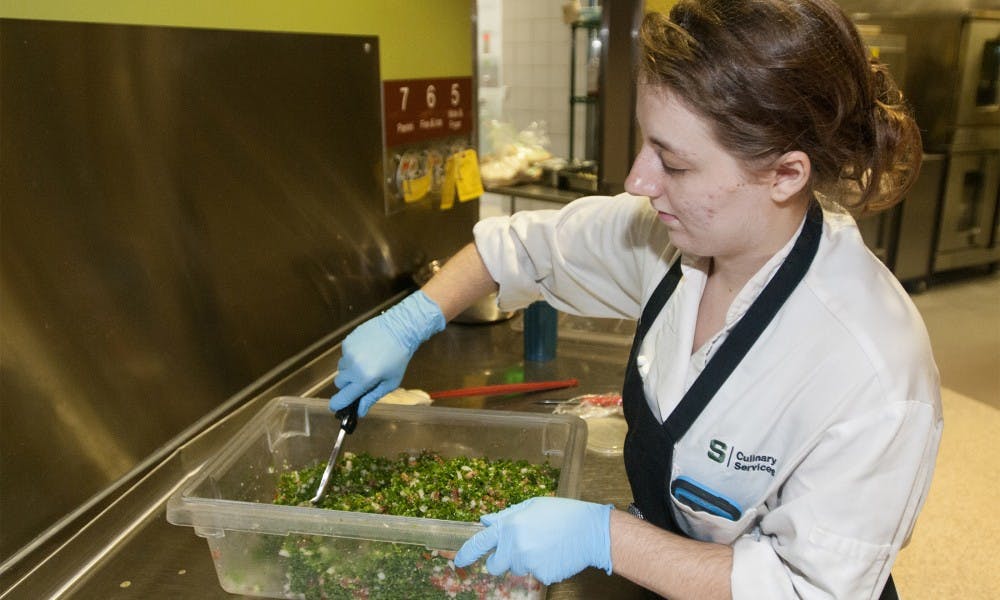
pixel 424 484
pixel 420 485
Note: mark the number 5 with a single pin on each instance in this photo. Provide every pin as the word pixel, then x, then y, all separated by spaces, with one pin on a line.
pixel 455 96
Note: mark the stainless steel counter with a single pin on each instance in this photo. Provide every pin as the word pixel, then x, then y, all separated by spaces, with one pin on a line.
pixel 130 551
pixel 535 191
pixel 182 209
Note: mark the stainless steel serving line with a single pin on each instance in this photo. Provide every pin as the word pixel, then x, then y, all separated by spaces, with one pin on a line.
pixel 130 551
pixel 183 209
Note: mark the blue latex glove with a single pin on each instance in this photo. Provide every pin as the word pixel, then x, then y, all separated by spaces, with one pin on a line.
pixel 374 356
pixel 550 538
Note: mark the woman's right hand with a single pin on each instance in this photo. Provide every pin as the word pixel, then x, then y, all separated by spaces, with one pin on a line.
pixel 374 356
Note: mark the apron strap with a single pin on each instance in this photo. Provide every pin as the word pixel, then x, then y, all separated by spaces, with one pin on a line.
pixel 656 302
pixel 889 591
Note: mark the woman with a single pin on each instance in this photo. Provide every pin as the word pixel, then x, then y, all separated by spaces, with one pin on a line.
pixel 782 400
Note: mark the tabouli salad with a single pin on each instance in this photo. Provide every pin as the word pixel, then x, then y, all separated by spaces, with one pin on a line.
pixel 423 484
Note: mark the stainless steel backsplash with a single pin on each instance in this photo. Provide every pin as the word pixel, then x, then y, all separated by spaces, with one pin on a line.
pixel 181 211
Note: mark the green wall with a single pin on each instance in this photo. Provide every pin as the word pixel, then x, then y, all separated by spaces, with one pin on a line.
pixel 416 38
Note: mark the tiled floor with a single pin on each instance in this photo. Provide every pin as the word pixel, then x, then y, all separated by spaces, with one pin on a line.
pixel 963 319
pixel 952 550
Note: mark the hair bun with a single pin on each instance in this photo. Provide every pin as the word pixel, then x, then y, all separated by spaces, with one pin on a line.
pixel 884 88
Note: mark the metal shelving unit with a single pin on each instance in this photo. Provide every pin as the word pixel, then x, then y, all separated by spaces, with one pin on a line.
pixel 588 98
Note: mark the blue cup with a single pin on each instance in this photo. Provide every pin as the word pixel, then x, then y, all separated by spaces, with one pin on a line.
pixel 540 331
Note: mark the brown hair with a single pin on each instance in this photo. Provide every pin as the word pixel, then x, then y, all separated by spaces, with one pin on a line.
pixel 773 76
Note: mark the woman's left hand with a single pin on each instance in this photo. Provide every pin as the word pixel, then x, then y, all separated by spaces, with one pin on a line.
pixel 550 538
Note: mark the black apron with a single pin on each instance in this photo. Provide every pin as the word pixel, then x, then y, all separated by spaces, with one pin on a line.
pixel 649 445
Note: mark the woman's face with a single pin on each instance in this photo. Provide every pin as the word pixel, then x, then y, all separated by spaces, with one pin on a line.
pixel 712 205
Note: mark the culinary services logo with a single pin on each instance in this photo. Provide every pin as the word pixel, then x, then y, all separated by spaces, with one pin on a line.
pixel 732 458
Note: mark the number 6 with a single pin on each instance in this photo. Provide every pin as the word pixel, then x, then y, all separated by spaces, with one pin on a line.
pixel 431 98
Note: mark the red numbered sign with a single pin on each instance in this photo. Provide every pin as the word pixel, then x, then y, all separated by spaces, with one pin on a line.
pixel 417 110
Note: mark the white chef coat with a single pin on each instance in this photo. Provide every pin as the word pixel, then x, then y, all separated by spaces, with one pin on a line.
pixel 826 433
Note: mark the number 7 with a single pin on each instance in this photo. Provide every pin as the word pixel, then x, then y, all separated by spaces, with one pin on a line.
pixel 405 91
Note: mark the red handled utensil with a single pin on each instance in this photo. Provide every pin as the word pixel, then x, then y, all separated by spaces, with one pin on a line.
pixel 505 388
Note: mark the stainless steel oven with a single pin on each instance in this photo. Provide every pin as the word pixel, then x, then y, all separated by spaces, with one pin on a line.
pixel 967 227
pixel 979 61
pixel 953 82
pixel 968 232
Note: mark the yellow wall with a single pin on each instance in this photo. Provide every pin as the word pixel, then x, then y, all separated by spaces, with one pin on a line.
pixel 662 6
pixel 416 38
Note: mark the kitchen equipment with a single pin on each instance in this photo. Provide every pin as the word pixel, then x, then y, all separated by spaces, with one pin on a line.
pixel 541 331
pixel 228 501
pixel 880 230
pixel 915 242
pixel 968 232
pixel 953 83
pixel 606 435
pixel 484 310
pixel 580 176
pixel 606 426
pixel 969 128
pixel 348 421
pixel 505 388
pixel 586 46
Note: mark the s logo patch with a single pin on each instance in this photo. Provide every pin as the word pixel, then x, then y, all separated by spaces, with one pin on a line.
pixel 717 451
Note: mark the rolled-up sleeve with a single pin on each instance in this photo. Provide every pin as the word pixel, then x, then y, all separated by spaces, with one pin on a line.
pixel 842 518
pixel 591 257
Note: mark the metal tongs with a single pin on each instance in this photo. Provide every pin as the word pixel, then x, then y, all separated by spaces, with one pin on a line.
pixel 348 421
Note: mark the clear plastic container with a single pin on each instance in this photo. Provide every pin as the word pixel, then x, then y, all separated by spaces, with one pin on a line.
pixel 229 501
